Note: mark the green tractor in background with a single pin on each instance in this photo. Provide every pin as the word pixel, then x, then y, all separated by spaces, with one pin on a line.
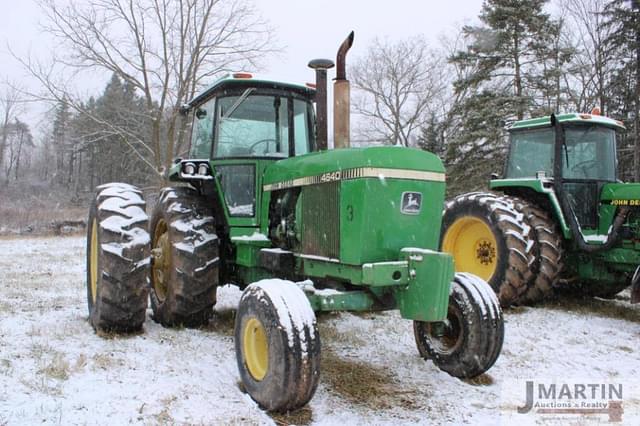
pixel 262 203
pixel 558 217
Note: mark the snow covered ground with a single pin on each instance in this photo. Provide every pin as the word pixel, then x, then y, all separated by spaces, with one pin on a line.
pixel 55 369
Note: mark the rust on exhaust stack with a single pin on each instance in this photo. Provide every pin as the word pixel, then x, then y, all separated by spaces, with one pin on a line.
pixel 341 97
pixel 321 66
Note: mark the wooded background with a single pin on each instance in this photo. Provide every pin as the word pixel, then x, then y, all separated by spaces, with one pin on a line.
pixel 453 97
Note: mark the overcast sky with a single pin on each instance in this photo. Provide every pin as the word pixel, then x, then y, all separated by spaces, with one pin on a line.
pixel 305 29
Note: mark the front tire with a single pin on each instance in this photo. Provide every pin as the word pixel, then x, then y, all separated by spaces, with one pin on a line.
pixel 117 259
pixel 277 345
pixel 488 238
pixel 469 342
pixel 184 273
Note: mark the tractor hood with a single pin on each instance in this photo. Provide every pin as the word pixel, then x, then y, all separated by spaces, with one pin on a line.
pixel 362 205
pixel 351 163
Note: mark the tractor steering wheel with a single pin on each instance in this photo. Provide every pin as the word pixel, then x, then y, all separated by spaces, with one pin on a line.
pixel 252 148
pixel 584 167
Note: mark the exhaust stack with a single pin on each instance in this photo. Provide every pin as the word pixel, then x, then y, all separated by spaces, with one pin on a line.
pixel 341 97
pixel 321 66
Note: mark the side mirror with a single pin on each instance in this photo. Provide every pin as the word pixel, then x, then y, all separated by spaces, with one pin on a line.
pixel 494 175
pixel 201 113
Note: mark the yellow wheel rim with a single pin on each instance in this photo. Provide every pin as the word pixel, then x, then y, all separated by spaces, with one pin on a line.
pixel 93 261
pixel 473 246
pixel 255 349
pixel 161 250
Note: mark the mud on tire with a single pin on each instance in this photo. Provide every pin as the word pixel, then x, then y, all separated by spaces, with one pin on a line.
pixel 184 273
pixel 277 345
pixel 489 238
pixel 470 341
pixel 117 259
pixel 547 250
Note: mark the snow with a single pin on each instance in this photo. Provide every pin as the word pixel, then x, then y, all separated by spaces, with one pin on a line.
pixel 243 210
pixel 256 236
pixel 596 238
pixel 55 369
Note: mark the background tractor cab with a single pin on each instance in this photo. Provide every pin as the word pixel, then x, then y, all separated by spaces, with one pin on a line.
pixel 587 162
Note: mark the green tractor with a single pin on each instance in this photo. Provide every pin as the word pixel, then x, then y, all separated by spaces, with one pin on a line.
pixel 261 202
pixel 558 217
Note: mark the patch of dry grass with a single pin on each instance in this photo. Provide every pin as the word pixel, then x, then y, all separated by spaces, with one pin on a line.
pixel 590 305
pixel 360 382
pixel 221 323
pixel 301 417
pixel 25 211
pixel 57 368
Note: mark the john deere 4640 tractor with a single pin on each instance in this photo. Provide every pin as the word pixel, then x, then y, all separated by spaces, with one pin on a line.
pixel 559 214
pixel 262 203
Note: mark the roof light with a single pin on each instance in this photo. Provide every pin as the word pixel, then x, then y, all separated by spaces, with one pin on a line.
pixel 242 75
pixel 311 85
pixel 595 111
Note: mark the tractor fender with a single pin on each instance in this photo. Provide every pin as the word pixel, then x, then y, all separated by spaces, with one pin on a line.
pixel 635 286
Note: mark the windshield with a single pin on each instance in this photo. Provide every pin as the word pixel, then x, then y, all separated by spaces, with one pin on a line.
pixel 588 153
pixel 257 125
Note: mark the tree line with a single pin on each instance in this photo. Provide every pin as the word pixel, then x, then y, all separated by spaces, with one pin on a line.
pixel 454 97
pixel 523 59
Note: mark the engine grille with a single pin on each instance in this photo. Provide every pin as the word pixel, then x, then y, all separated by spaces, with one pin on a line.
pixel 321 220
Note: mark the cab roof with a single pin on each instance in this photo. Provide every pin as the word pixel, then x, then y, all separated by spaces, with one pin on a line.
pixel 248 80
pixel 572 118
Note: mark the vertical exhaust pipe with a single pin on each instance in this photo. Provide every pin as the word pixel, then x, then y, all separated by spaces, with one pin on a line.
pixel 341 97
pixel 321 66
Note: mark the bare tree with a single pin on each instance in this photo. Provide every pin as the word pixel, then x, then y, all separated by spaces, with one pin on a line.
pixel 11 104
pixel 396 84
pixel 593 62
pixel 19 141
pixel 166 49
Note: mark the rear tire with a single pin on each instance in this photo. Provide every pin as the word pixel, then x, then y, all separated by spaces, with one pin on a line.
pixel 473 333
pixel 184 273
pixel 117 259
pixel 489 238
pixel 547 250
pixel 277 345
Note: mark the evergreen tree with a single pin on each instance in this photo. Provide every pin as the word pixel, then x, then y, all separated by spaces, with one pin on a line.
pixel 510 68
pixel 623 18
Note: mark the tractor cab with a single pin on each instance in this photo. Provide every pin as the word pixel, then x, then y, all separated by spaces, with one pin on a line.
pixel 586 144
pixel 241 125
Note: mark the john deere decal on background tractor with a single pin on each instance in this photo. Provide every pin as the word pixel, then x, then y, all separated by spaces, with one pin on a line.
pixel 558 215
pixel 262 197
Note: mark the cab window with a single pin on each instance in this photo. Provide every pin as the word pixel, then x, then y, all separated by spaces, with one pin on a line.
pixel 259 125
pixel 202 130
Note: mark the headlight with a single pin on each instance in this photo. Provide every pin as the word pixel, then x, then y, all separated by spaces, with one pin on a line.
pixel 203 169
pixel 189 169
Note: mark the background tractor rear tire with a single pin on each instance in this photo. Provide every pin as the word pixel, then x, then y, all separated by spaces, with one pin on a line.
pixel 117 259
pixel 489 238
pixel 472 336
pixel 547 250
pixel 277 345
pixel 185 259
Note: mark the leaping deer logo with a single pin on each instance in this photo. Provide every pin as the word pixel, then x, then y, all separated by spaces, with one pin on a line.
pixel 411 202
